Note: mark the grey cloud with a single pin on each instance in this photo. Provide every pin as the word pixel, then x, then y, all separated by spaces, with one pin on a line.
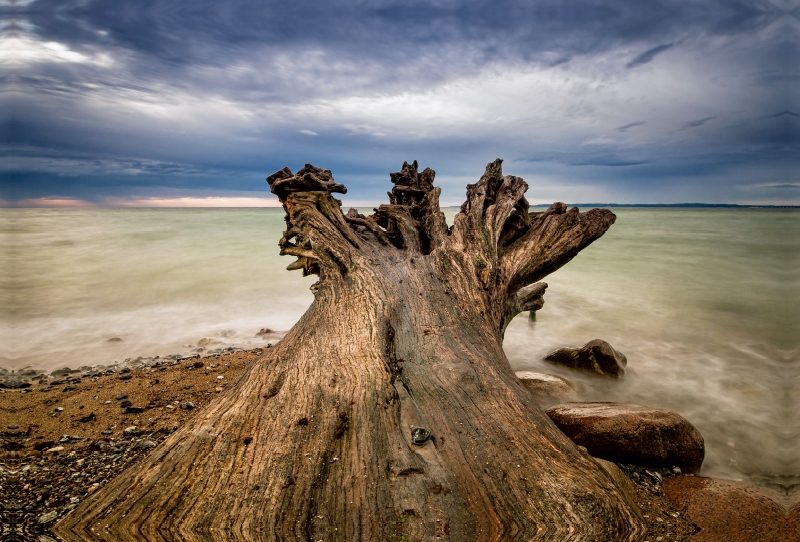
pixel 631 125
pixel 700 122
pixel 268 56
pixel 648 55
pixel 575 158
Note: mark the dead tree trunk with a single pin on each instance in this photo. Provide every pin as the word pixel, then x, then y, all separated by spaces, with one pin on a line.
pixel 389 411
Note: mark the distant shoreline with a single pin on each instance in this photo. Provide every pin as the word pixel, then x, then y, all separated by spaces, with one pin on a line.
pixel 682 205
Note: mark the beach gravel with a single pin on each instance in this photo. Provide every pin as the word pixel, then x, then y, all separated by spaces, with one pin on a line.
pixel 68 433
pixel 50 460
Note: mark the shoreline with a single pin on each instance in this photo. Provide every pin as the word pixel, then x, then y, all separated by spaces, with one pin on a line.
pixel 69 433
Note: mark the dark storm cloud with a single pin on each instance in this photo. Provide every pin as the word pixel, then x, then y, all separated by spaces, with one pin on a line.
pixel 648 55
pixel 699 122
pixel 169 40
pixel 197 93
pixel 625 127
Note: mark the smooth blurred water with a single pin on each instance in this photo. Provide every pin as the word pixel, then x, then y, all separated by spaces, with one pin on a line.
pixel 156 278
pixel 702 301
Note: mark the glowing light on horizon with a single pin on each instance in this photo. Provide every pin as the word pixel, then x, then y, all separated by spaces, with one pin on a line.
pixel 59 203
pixel 213 201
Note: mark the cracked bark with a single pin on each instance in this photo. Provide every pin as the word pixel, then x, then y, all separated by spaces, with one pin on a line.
pixel 405 333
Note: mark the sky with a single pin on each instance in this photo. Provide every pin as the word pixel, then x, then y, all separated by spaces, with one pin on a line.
pixel 194 103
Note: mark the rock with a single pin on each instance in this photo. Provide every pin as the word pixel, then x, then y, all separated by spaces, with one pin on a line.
pixel 115 340
pixel 125 404
pixel 88 418
pixel 45 444
pixel 548 385
pixel 734 511
pixel 133 410
pixel 48 517
pixel 596 356
pixel 419 436
pixel 145 444
pixel 654 477
pixel 121 396
pixel 188 405
pixel 126 376
pixel 627 433
pixel 14 384
pixel 131 431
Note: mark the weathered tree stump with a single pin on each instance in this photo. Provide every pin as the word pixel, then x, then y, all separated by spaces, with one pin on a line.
pixel 389 410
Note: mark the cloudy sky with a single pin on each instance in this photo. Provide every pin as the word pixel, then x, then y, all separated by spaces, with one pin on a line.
pixel 192 102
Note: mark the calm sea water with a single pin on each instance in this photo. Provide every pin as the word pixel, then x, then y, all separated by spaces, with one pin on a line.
pixel 702 301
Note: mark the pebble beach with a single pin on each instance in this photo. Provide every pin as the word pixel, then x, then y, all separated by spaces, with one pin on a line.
pixel 69 432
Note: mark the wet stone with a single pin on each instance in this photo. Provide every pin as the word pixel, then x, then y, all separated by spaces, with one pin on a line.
pixel 145 444
pixel 48 517
pixel 420 436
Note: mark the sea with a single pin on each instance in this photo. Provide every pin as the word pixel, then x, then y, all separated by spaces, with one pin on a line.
pixel 702 301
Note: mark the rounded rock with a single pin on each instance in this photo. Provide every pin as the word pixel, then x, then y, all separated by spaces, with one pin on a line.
pixel 628 433
pixel 596 356
pixel 547 385
pixel 131 431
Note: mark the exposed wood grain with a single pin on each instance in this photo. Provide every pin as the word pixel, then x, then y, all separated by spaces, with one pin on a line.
pixel 404 333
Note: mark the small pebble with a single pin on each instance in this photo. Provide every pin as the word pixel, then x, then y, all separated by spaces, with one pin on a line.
pixel 48 517
pixel 144 445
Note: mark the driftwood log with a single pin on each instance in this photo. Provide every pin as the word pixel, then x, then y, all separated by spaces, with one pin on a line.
pixel 389 411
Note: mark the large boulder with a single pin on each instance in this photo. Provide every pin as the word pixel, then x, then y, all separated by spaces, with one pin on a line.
pixel 596 356
pixel 546 385
pixel 626 433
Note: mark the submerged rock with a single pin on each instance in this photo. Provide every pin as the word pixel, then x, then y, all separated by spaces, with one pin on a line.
pixel 542 384
pixel 734 511
pixel 596 356
pixel 627 433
